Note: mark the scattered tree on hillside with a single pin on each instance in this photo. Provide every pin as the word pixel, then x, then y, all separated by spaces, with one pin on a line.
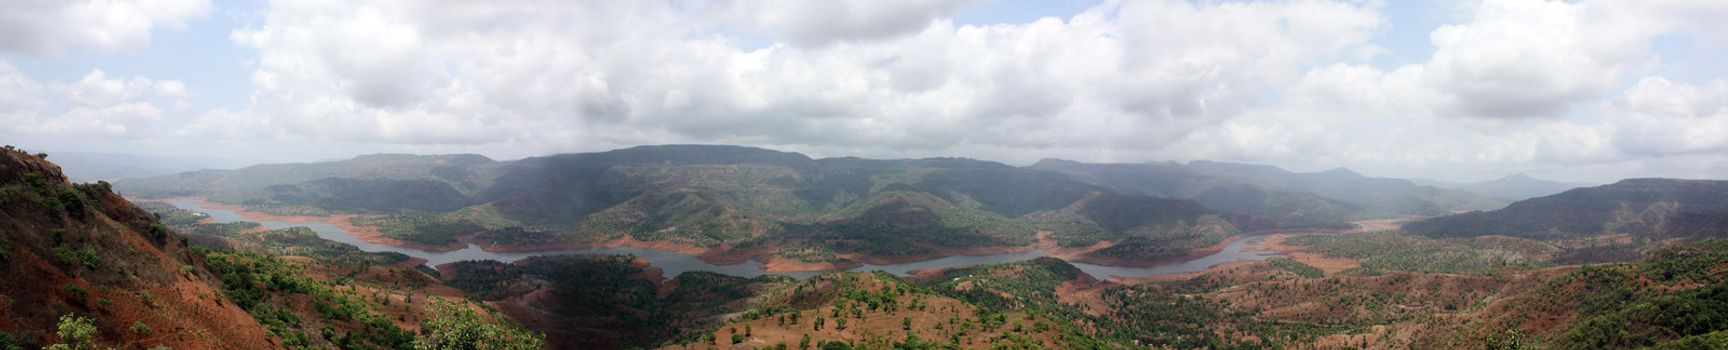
pixel 76 333
pixel 457 327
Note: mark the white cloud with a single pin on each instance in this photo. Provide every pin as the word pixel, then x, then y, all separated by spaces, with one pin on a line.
pixel 1133 75
pixel 95 106
pixel 49 27
pixel 1511 86
pixel 1659 117
pixel 819 23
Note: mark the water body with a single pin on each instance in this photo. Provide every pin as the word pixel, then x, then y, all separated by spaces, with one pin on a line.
pixel 674 263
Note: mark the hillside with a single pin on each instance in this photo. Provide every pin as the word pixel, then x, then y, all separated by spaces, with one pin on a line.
pixel 1647 210
pixel 92 269
pixel 879 311
pixel 606 301
pixel 79 254
pixel 1407 292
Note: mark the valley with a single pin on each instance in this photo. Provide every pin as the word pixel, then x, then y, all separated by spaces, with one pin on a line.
pixel 676 260
pixel 687 260
pixel 863 175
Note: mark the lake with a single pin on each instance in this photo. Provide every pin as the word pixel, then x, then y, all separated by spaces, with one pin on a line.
pixel 674 263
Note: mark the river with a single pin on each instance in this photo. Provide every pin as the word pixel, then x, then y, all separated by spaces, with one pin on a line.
pixel 674 263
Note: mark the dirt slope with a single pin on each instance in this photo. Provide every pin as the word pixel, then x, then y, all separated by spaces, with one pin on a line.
pixel 85 251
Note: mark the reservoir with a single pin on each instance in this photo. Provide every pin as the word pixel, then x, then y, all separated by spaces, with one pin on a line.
pixel 674 263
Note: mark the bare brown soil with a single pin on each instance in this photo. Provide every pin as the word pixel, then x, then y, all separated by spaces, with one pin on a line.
pixel 1330 265
pixel 776 263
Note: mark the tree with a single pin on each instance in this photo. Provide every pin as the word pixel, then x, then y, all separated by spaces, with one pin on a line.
pixel 804 342
pixel 737 338
pixel 747 332
pixel 76 333
pixel 458 327
pixel 906 323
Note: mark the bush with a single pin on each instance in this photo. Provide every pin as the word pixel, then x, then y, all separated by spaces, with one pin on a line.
pixel 139 328
pixel 7 343
pixel 35 179
pixel 455 326
pixel 76 333
pixel 78 293
pixel 158 232
pixel 72 200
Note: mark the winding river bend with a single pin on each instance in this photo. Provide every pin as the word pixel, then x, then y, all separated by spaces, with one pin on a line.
pixel 674 263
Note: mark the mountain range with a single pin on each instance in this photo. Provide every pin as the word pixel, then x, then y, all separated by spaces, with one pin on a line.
pixel 729 198
pixel 1637 263
pixel 1518 186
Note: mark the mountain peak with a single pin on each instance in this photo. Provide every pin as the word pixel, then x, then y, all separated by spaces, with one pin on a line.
pixel 1053 162
pixel 1517 177
pixel 1342 171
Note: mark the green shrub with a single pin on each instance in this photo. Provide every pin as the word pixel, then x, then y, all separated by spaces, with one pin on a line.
pixel 72 201
pixel 158 232
pixel 35 179
pixel 77 293
pixel 455 326
pixel 7 343
pixel 89 258
pixel 139 328
pixel 76 333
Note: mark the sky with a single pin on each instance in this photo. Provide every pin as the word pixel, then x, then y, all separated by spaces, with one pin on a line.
pixel 1585 91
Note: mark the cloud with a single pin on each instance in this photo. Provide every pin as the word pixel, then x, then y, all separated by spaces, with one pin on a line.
pixel 1534 59
pixel 95 106
pixel 1510 86
pixel 1659 117
pixel 1131 75
pixel 51 27
pixel 820 23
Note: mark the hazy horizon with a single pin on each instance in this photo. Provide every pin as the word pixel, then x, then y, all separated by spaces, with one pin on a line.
pixel 1584 91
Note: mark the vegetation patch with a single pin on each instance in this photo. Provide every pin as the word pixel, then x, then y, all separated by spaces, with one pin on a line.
pixel 1382 252
pixel 420 227
pixel 1297 267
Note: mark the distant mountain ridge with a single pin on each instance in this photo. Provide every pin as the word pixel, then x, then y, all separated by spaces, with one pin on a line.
pixel 1646 209
pixel 458 169
pixel 1336 195
pixel 1510 187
